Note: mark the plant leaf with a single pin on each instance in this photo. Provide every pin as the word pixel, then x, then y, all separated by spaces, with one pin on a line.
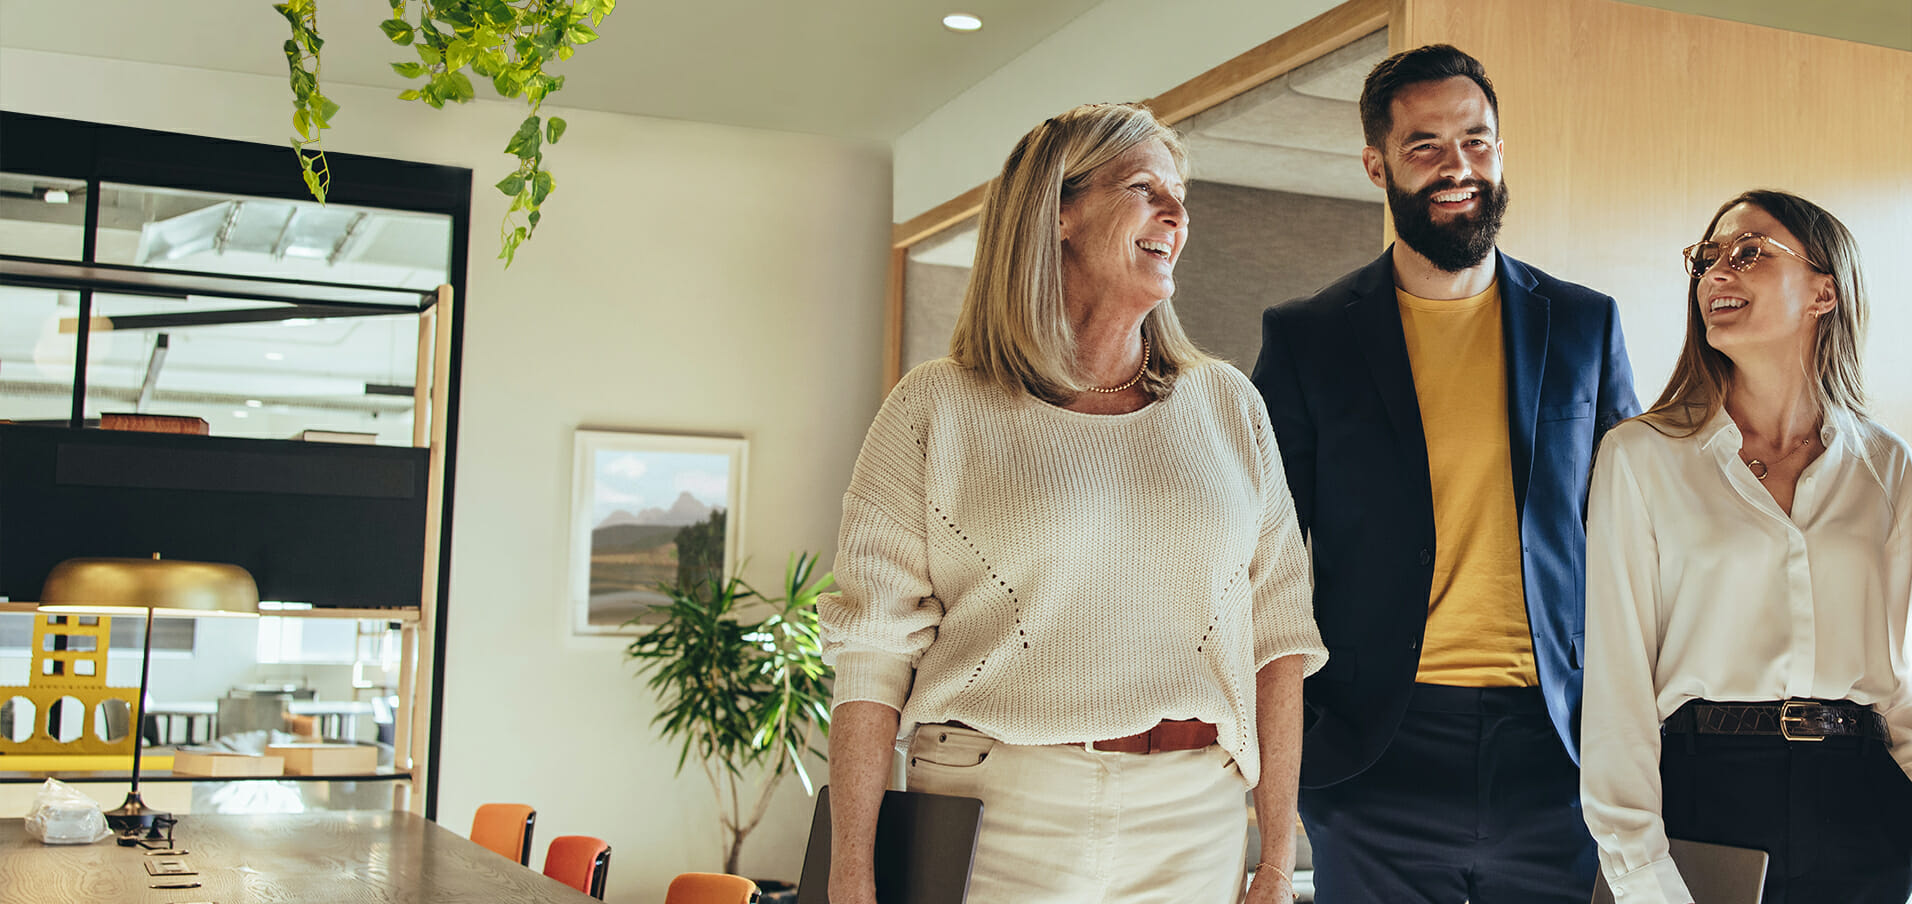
pixel 408 70
pixel 554 129
pixel 524 142
pixel 511 185
pixel 398 30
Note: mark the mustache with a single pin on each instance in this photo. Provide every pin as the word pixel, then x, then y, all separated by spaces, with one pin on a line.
pixel 1480 186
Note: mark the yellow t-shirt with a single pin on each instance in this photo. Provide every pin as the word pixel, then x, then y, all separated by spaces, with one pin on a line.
pixel 1477 634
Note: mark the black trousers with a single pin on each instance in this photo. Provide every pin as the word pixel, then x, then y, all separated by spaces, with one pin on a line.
pixel 1835 816
pixel 1474 800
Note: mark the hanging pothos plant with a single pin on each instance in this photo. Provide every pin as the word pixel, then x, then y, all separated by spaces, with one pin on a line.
pixel 505 41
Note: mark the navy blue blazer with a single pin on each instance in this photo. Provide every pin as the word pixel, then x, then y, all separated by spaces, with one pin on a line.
pixel 1334 372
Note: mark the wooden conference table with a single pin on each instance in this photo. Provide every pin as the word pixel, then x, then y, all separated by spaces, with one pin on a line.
pixel 332 857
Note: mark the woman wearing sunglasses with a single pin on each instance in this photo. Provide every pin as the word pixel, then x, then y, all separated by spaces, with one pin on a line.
pixel 1749 570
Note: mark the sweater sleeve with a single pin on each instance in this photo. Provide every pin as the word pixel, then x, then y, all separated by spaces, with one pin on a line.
pixel 1620 736
pixel 1280 572
pixel 883 617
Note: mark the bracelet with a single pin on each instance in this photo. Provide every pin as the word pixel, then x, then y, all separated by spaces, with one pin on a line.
pixel 1284 877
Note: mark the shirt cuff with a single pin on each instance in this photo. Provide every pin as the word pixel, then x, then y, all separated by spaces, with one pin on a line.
pixel 1658 882
pixel 877 677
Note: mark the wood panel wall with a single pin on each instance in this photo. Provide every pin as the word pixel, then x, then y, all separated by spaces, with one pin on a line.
pixel 1626 127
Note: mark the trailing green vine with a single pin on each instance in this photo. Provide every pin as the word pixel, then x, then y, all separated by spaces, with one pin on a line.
pixel 312 112
pixel 507 42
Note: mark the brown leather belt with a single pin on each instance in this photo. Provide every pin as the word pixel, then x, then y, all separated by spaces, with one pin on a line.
pixel 1190 734
pixel 1794 720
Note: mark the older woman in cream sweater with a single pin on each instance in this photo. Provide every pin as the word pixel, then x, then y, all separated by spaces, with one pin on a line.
pixel 1070 564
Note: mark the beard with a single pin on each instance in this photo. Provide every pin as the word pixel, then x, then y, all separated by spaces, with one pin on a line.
pixel 1458 244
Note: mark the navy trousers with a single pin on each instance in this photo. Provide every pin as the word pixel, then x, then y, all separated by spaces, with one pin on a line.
pixel 1834 816
pixel 1475 800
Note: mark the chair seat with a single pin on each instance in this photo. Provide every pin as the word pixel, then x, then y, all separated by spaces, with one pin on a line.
pixel 710 888
pixel 505 829
pixel 579 861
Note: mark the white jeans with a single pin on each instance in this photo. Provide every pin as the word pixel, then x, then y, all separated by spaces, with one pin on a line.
pixel 1064 824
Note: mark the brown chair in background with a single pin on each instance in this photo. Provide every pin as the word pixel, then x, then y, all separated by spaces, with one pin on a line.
pixel 710 888
pixel 506 829
pixel 579 861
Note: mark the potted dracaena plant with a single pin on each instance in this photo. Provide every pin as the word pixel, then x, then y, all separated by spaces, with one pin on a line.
pixel 746 699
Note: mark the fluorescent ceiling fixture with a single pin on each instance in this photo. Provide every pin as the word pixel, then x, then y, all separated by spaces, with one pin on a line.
pixel 962 22
pixel 254 403
pixel 56 196
pixel 241 413
pixel 274 356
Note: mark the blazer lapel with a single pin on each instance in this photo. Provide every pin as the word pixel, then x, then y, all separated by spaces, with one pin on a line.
pixel 1524 320
pixel 1376 317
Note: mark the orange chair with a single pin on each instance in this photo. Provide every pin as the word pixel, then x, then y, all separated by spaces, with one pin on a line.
pixel 710 888
pixel 506 829
pixel 579 861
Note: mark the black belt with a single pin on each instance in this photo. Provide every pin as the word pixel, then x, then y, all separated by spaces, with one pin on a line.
pixel 1794 720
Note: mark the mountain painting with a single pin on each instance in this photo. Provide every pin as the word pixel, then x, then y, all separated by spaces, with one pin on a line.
pixel 657 517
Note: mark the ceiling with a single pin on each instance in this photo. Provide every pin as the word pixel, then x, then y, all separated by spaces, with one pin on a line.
pixel 860 69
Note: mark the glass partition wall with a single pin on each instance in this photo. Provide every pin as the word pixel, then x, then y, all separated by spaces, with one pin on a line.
pixel 302 354
pixel 191 287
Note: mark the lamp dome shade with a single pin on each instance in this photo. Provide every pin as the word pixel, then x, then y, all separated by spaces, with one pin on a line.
pixel 166 586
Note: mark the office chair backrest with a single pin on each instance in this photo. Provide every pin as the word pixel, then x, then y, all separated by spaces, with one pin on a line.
pixel 710 888
pixel 506 829
pixel 579 861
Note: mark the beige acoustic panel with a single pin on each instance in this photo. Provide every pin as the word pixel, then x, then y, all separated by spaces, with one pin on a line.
pixel 1626 127
pixel 1275 114
pixel 1281 169
pixel 1340 74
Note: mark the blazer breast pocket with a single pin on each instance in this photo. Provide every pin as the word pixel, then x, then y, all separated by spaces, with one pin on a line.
pixel 1566 412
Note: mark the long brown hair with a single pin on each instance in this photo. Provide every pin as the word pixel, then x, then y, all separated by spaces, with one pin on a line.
pixel 1702 376
pixel 1013 327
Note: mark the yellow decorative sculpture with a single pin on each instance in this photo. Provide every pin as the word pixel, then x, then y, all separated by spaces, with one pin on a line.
pixel 70 672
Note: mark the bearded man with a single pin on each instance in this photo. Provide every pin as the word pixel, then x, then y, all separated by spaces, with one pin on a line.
pixel 1437 412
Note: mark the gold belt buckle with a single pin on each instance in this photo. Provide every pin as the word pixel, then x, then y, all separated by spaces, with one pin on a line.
pixel 1787 720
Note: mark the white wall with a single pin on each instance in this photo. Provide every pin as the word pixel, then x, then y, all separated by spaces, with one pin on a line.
pixel 686 277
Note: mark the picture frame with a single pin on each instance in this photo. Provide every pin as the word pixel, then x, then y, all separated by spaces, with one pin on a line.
pixel 641 503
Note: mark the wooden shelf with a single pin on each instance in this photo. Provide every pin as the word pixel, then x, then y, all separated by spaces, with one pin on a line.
pixel 146 775
pixel 407 615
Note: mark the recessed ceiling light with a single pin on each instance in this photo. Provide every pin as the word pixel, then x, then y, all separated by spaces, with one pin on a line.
pixel 962 22
pixel 300 321
pixel 274 356
pixel 57 196
pixel 242 413
pixel 254 403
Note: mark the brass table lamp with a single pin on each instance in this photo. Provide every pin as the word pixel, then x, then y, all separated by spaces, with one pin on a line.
pixel 158 587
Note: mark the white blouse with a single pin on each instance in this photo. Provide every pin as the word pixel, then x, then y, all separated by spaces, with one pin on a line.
pixel 1700 586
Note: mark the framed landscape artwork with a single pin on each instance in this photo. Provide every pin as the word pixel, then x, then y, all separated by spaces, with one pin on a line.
pixel 649 509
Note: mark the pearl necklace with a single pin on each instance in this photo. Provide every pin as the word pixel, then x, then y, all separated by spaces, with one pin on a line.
pixel 1132 380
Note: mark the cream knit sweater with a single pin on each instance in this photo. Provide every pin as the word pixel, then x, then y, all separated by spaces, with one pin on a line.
pixel 1055 577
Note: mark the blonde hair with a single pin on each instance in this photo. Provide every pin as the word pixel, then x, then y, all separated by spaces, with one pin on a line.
pixel 1702 375
pixel 1014 328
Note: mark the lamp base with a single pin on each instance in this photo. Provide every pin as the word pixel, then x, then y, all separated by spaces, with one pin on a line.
pixel 133 816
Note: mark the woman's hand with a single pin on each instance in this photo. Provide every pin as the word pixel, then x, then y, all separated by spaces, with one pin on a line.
pixel 850 884
pixel 1271 887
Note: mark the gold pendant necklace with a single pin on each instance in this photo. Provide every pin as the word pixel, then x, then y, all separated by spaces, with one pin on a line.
pixel 1760 469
